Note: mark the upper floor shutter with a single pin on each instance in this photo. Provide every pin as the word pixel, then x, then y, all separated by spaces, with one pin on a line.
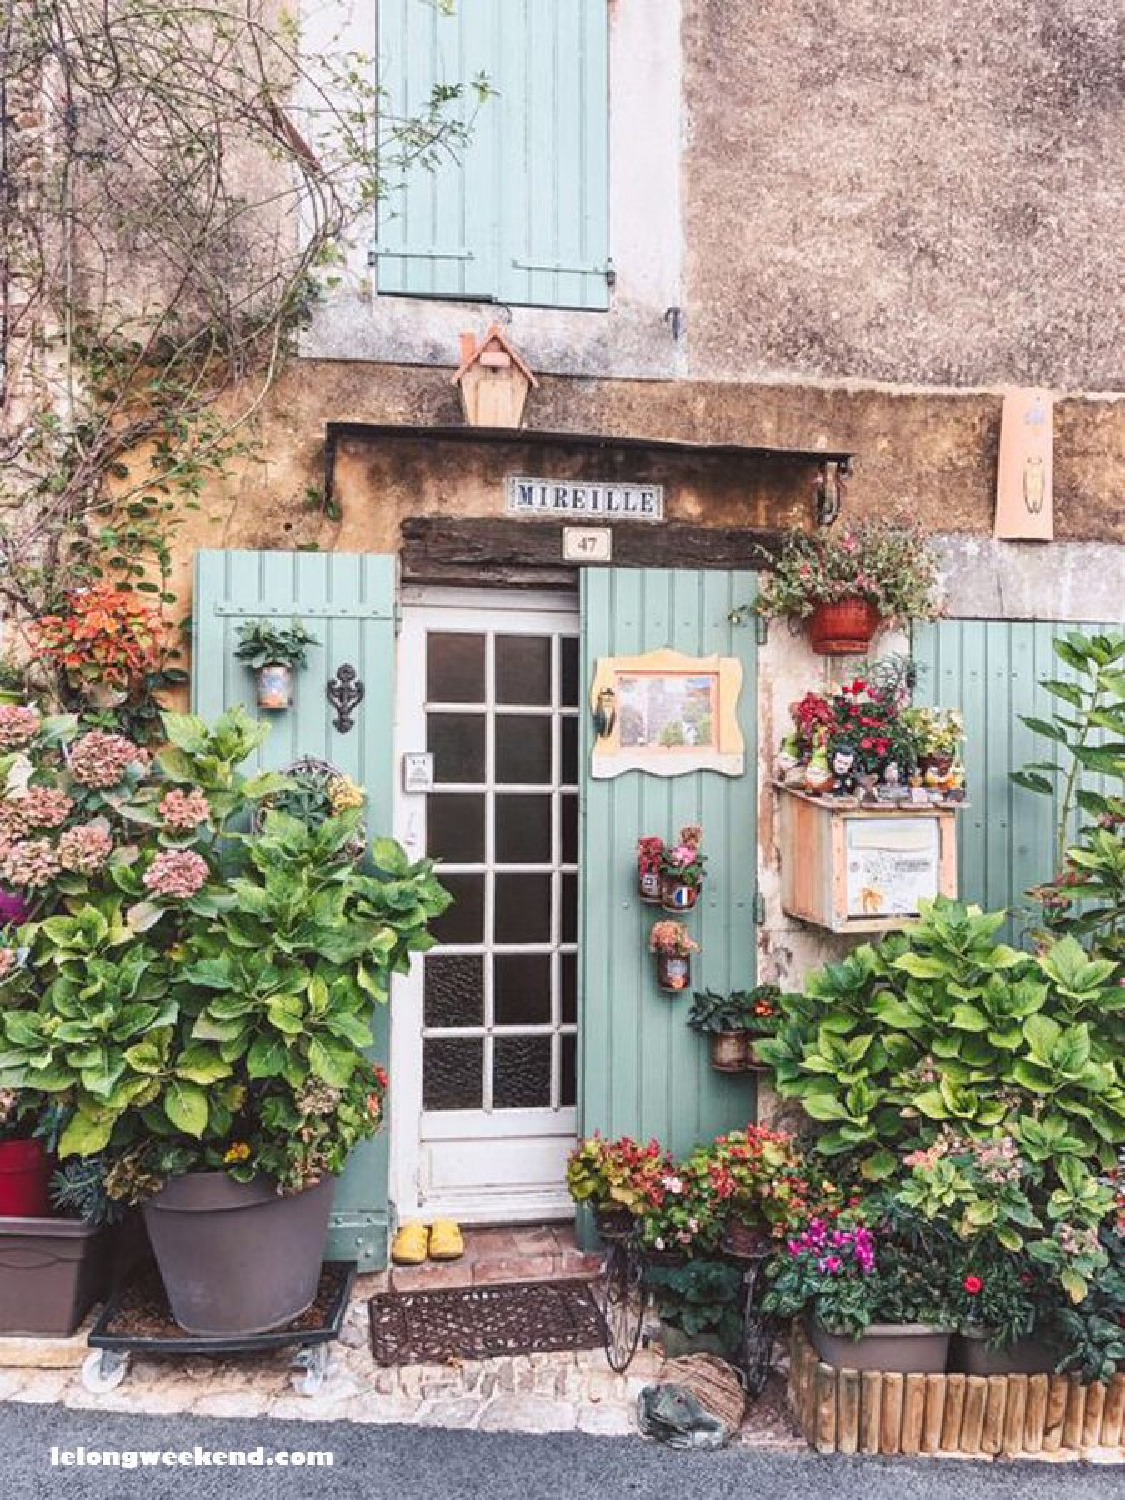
pixel 522 215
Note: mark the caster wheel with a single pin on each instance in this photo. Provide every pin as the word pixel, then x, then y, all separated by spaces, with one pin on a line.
pixel 103 1371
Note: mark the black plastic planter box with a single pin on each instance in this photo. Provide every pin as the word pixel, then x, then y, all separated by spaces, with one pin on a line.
pixel 51 1272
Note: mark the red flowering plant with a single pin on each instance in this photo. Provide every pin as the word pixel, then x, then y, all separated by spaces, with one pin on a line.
pixel 864 716
pixel 194 993
pixel 618 1173
pixel 689 1209
pixel 649 852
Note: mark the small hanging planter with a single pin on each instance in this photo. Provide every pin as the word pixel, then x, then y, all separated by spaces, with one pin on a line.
pixel 843 628
pixel 673 948
pixel 273 653
pixel 673 972
pixel 681 870
pixel 728 1051
pixel 675 895
pixel 649 852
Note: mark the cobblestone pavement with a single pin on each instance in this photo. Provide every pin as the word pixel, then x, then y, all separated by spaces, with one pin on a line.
pixel 537 1393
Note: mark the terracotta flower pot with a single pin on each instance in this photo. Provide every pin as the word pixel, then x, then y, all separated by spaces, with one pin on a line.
pixel 237 1257
pixel 24 1172
pixel 676 896
pixel 894 1348
pixel 728 1051
pixel 275 687
pixel 844 628
pixel 673 972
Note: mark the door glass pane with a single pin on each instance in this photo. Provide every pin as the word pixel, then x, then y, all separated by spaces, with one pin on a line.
pixel 454 668
pixel 453 1072
pixel 523 669
pixel 568 746
pixel 568 1080
pixel 521 1072
pixel 457 743
pixel 568 925
pixel 454 989
pixel 521 993
pixel 463 922
pixel 523 749
pixel 568 662
pixel 523 908
pixel 568 812
pixel 455 828
pixel 523 830
pixel 568 980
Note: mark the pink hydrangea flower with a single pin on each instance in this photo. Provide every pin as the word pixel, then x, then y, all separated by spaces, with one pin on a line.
pixel 177 873
pixel 18 726
pixel 45 807
pixel 100 760
pixel 184 811
pixel 85 849
pixel 31 864
pixel 9 959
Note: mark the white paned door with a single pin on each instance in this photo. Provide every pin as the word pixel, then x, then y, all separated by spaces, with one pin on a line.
pixel 484 1028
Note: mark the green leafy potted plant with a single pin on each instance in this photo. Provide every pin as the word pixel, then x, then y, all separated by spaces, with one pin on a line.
pixel 274 652
pixel 198 1002
pixel 847 582
pixel 936 736
pixel 698 1304
pixel 673 947
pixel 722 1019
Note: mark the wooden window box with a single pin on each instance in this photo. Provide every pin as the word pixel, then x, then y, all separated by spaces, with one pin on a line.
pixel 853 868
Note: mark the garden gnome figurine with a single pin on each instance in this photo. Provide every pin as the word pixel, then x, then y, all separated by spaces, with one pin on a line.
pixel 818 773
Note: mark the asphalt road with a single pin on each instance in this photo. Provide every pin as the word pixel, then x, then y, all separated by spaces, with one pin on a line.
pixel 417 1463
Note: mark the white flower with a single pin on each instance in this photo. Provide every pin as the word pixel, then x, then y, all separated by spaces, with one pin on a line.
pixel 659 1243
pixel 673 1184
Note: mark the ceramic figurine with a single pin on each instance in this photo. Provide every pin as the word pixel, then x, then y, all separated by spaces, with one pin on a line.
pixel 843 771
pixel 788 758
pixel 868 783
pixel 818 773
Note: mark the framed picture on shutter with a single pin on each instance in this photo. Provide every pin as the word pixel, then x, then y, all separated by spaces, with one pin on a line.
pixel 666 714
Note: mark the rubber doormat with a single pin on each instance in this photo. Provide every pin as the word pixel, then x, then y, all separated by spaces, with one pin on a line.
pixel 522 1317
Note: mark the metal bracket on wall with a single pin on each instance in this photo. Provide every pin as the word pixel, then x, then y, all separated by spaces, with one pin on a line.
pixel 759 909
pixel 761 629
pixel 345 693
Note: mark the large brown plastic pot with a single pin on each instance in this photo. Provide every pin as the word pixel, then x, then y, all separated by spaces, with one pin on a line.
pixel 970 1353
pixel 237 1257
pixel 902 1348
pixel 51 1272
pixel 844 628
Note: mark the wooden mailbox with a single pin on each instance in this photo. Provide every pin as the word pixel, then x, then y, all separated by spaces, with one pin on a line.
pixel 851 867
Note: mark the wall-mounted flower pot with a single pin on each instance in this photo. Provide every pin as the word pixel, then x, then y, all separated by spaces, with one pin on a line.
pixel 903 1348
pixel 237 1257
pixel 676 896
pixel 728 1051
pixel 970 1354
pixel 844 628
pixel 275 687
pixel 52 1271
pixel 673 972
pixel 648 886
pixel 24 1173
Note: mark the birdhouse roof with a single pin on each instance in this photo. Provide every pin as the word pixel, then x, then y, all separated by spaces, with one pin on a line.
pixel 494 338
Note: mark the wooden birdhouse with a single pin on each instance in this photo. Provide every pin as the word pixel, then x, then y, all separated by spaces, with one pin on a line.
pixel 493 381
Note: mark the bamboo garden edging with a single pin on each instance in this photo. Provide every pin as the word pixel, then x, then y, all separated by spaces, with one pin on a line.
pixel 980 1416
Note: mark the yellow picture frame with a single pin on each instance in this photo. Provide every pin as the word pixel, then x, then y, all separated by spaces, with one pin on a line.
pixel 666 714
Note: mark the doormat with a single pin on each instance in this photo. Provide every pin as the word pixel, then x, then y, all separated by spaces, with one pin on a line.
pixel 479 1322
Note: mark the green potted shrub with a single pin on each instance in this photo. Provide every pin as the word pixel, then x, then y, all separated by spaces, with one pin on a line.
pixel 848 581
pixel 273 652
pixel 198 1003
pixel 698 1304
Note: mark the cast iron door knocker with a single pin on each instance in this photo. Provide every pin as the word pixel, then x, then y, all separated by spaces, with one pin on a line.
pixel 345 693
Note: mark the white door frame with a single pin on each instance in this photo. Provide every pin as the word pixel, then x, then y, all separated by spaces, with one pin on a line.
pixel 470 608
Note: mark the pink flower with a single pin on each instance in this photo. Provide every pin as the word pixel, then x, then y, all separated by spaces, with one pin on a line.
pixel 8 961
pixel 101 760
pixel 44 807
pixel 177 873
pixel 184 811
pixel 86 848
pixel 18 726
pixel 31 864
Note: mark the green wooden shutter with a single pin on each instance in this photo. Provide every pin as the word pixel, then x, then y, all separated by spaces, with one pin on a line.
pixel 992 671
pixel 643 1071
pixel 523 216
pixel 348 603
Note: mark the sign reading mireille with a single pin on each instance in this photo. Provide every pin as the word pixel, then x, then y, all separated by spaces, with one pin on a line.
pixel 547 498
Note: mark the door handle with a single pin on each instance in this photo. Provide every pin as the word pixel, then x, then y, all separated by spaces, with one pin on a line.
pixel 410 835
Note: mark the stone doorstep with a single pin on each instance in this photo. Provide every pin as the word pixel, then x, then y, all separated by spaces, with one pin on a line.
pixel 34 1352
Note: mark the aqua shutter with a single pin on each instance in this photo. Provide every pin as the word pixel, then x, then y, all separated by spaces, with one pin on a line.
pixel 348 602
pixel 643 1072
pixel 993 670
pixel 523 216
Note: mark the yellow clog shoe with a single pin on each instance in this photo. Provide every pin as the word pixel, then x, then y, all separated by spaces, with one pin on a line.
pixel 411 1245
pixel 446 1240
